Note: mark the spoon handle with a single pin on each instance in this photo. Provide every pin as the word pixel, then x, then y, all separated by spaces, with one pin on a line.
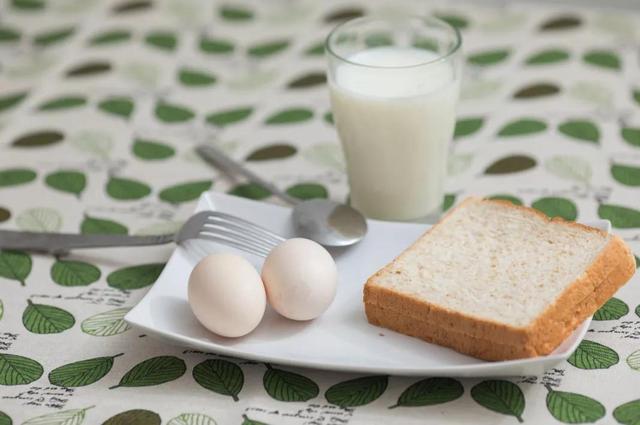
pixel 218 158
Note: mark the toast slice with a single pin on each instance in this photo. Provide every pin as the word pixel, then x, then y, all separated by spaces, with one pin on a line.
pixel 498 281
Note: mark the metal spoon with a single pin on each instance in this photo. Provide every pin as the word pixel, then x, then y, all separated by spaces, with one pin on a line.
pixel 326 222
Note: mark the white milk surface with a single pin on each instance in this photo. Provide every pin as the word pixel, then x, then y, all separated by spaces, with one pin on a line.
pixel 395 124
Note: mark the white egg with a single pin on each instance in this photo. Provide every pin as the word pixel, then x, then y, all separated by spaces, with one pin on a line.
pixel 300 277
pixel 227 295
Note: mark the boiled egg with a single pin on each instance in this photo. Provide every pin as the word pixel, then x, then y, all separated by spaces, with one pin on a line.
pixel 226 295
pixel 300 278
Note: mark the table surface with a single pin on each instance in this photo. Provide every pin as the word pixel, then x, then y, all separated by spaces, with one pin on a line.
pixel 101 104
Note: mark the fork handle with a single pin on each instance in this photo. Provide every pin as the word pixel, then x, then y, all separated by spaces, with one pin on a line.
pixel 58 243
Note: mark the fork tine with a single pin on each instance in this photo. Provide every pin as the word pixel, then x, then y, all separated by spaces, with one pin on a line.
pixel 258 235
pixel 232 233
pixel 235 244
pixel 237 220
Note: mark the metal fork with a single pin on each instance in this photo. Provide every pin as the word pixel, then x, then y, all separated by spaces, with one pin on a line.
pixel 209 225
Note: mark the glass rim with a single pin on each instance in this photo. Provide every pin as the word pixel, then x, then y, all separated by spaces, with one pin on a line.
pixel 453 50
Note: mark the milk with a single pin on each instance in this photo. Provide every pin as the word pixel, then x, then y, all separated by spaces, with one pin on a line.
pixel 395 124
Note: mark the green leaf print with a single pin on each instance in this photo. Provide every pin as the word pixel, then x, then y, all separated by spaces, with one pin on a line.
pixel 89 69
pixel 163 40
pixel 5 214
pixel 150 150
pixel 192 419
pixel 626 174
pixel 69 181
pixel 456 21
pixel 510 164
pixel 9 35
pixel 523 126
pixel 18 370
pixel 467 126
pixel 278 151
pixel 169 113
pixel 592 355
pixel 620 217
pixel 266 49
pixel 562 22
pixel 120 106
pixel 545 57
pixel 15 265
pixel 135 277
pixel 64 102
pixel 311 79
pixel 12 100
pixel 569 167
pixel 220 376
pixel 46 319
pixel 613 309
pixel 132 6
pixel 153 371
pixel 429 392
pixel 216 46
pixel 449 200
pixel 93 226
pixel 134 417
pixel 633 360
pixel 229 116
pixel 185 192
pixel 5 419
pixel 290 116
pixel 126 189
pixel 195 78
pixel 235 13
pixel 315 49
pixel 306 191
pixel 110 37
pixel 16 176
pixel 1 309
pixel 500 396
pixel 536 90
pixel 504 197
pixel 38 139
pixel 108 323
pixel 28 5
pixel 603 59
pixel 48 38
pixel 288 386
pixel 65 417
pixel 572 408
pixel 628 413
pixel 247 421
pixel 581 130
pixel 74 273
pixel 491 57
pixel 39 220
pixel 82 373
pixel 344 14
pixel 357 392
pixel 557 207
pixel 631 136
pixel 250 191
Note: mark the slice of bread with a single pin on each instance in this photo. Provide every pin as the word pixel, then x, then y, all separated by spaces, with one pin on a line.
pixel 498 281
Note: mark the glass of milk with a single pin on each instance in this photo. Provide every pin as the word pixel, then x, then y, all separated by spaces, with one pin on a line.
pixel 394 85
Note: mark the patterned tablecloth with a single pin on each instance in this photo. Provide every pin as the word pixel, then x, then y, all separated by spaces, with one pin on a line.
pixel 101 104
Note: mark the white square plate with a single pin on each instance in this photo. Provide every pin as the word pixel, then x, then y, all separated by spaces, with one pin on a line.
pixel 341 339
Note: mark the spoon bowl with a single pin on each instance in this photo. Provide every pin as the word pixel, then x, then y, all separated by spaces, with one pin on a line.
pixel 329 223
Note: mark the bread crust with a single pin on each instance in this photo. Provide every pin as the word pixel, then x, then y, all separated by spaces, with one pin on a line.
pixel 611 269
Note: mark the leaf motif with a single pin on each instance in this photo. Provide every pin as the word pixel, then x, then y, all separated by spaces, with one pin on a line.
pixel 613 309
pixel 315 49
pixel 548 56
pixel 288 386
pixel 344 14
pixel 163 40
pixel 192 419
pixel 46 319
pixel 16 176
pixel 633 360
pixel 456 21
pixel 1 309
pixel 310 79
pixel 220 376
pixel 449 200
pixel 235 13
pixel 110 37
pixel 522 126
pixel 195 78
pixel 557 207
pixel 603 59
pixel 250 191
pixel 121 106
pixel 65 417
pixel 18 370
pixel 536 90
pixel 429 392
pixel 631 136
pixel 65 102
pixel 169 113
pixel 500 396
pixel 467 126
pixel 581 130
pixel 510 198
pixel 151 150
pixel 229 116
pixel 135 277
pixel 569 167
pixel 266 49
pixel 134 417
pixel 247 421
pixel 108 323
pixel 127 189
pixel 38 139
pixel 11 100
pixel 132 6
pixel 82 373
pixel 69 181
pixel 357 392
pixel 27 5
pixel 100 226
pixel 511 164
pixel 216 46
pixel 74 273
pixel 15 265
pixel 39 220
pixel 185 192
pixel 278 151
pixel 306 191
pixel 626 174
pixel 5 419
pixel 628 413
pixel 47 38
pixel 636 96
pixel 620 217
pixel 89 69
pixel 562 22
pixel 491 57
pixel 592 355
pixel 5 214
pixel 572 408
pixel 290 116
pixel 153 371
pixel 9 35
